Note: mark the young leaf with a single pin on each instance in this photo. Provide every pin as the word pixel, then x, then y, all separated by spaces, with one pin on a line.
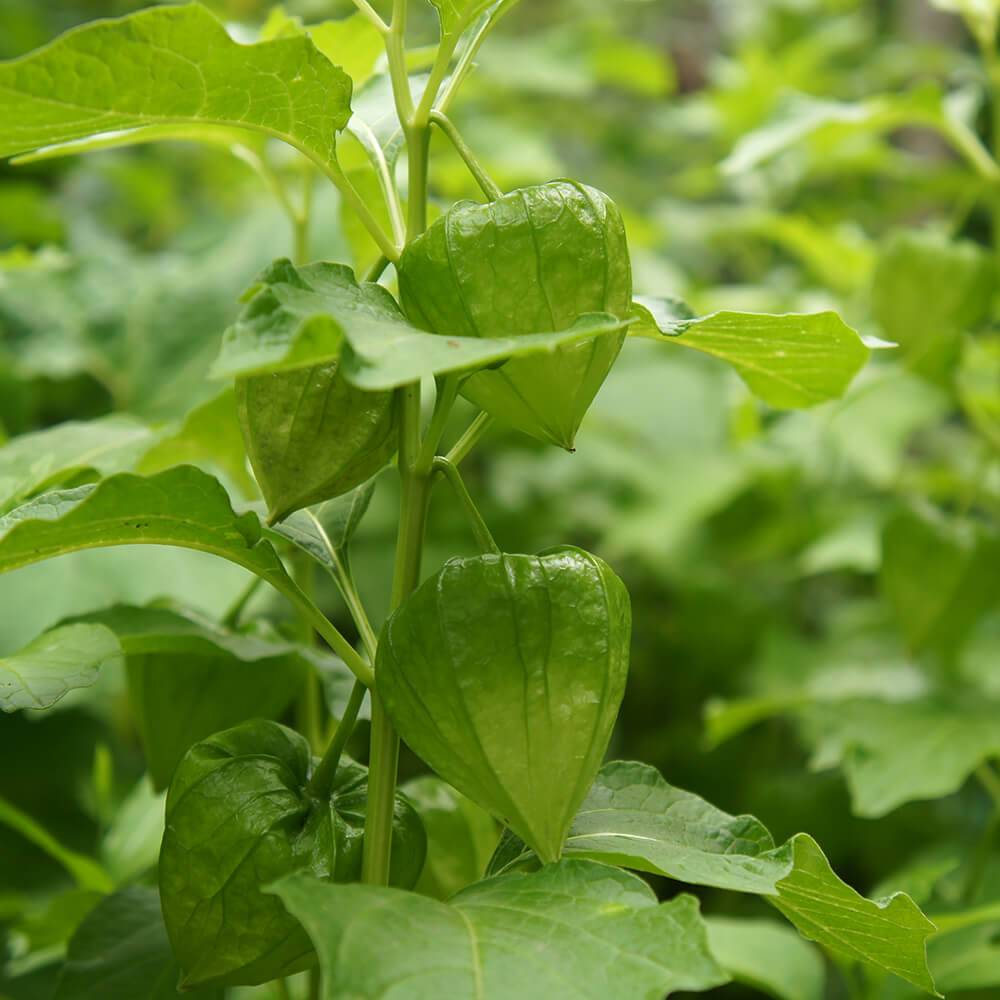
pixel 787 361
pixel 189 678
pixel 171 66
pixel 59 660
pixel 576 928
pixel 461 837
pixel 634 818
pixel 767 956
pixel 121 952
pixel 505 673
pixel 300 317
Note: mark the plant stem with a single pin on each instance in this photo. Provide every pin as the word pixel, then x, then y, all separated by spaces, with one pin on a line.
pixel 483 537
pixel 232 617
pixel 468 440
pixel 384 754
pixel 322 778
pixel 345 584
pixel 389 193
pixel 447 392
pixel 377 269
pixel 372 15
pixel 977 869
pixel 486 183
pixel 282 987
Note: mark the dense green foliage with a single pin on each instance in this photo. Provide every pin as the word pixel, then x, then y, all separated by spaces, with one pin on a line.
pixel 289 379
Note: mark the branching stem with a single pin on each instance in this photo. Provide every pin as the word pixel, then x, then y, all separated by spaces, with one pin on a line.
pixel 483 179
pixel 484 539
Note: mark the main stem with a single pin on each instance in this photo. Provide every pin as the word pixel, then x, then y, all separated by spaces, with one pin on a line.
pixel 414 466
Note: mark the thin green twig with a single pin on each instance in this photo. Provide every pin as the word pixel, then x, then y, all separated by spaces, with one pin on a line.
pixel 484 538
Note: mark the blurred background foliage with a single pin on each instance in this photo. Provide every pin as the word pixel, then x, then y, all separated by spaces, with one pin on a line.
pixel 815 593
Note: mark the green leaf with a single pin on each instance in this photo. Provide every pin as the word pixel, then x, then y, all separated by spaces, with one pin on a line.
pixel 977 380
pixel 927 291
pixel 787 361
pixel 209 434
pixel 319 313
pixel 69 453
pixel 921 544
pixel 801 118
pixel 239 816
pixel 182 506
pixel 311 435
pixel 767 956
pixel 131 846
pixel 505 673
pixel 457 15
pixel 461 837
pixel 894 753
pixel 354 44
pixel 121 952
pixel 889 934
pixel 87 872
pixel 59 660
pixel 632 817
pixel 189 678
pixel 171 66
pixel 576 928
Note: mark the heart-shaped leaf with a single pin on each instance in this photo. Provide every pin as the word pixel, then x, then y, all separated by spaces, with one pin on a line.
pixel 505 673
pixel 238 817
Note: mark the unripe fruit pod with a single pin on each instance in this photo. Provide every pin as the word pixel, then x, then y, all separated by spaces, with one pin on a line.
pixel 312 436
pixel 505 674
pixel 532 261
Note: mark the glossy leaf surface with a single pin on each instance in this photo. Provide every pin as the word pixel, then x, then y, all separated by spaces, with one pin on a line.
pixel 121 952
pixel 531 261
pixel 170 66
pixel 295 317
pixel 576 929
pixel 634 818
pixel 238 817
pixel 311 435
pixel 59 660
pixel 787 361
pixel 505 674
